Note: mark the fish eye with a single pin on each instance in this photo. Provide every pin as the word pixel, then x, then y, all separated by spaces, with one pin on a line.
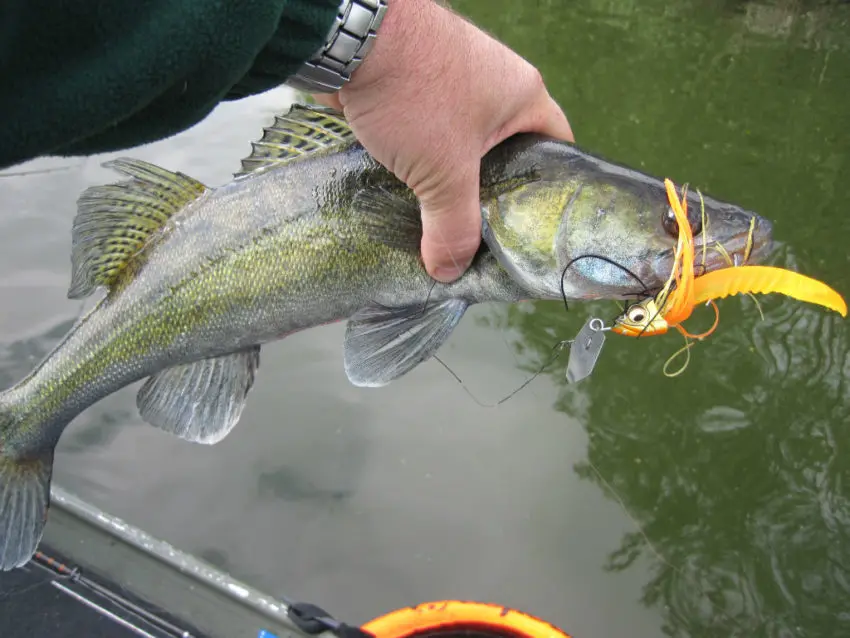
pixel 671 226
pixel 695 219
pixel 636 314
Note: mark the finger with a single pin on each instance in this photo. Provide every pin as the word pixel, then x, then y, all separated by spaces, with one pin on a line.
pixel 328 99
pixel 553 121
pixel 451 228
pixel 544 117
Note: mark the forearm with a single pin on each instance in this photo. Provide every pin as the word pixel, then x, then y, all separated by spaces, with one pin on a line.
pixel 81 78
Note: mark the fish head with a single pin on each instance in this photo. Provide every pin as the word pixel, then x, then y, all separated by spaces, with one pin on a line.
pixel 640 319
pixel 566 223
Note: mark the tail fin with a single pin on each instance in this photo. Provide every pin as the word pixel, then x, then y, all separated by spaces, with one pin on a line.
pixel 24 497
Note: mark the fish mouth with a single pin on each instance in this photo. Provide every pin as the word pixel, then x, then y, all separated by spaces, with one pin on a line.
pixel 741 248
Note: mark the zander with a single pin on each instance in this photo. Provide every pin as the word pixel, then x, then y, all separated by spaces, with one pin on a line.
pixel 312 230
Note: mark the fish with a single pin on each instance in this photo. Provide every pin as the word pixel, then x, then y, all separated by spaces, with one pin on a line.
pixel 311 230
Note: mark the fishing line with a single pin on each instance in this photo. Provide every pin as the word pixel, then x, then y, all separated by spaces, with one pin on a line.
pixel 555 353
pixel 428 296
pixel 704 224
pixel 607 260
pixel 733 263
pixel 687 350
pixel 558 348
pixel 650 322
pixel 513 354
pixel 655 551
pixel 671 285
pixel 39 171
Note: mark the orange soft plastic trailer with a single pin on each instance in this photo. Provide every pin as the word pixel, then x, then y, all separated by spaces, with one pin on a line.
pixel 449 618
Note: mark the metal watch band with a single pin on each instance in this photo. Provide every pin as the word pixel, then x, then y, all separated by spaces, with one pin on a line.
pixel 350 38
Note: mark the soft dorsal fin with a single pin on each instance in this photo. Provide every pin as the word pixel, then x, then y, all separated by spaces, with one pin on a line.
pixel 305 129
pixel 114 222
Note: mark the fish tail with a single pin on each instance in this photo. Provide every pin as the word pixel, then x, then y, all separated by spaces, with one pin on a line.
pixel 24 489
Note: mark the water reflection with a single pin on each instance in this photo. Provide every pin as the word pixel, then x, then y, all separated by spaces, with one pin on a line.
pixel 19 357
pixel 733 472
pixel 282 483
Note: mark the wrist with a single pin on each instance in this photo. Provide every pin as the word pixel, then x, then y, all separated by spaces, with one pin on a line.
pixel 349 40
pixel 400 37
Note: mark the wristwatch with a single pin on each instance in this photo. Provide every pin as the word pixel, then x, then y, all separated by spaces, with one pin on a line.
pixel 350 38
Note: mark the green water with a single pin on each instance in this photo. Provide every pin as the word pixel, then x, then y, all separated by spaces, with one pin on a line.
pixel 631 505
pixel 737 472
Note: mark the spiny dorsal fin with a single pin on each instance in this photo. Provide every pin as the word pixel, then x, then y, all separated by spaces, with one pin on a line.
pixel 305 129
pixel 114 222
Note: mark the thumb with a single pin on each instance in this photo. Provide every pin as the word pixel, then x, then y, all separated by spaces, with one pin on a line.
pixel 451 226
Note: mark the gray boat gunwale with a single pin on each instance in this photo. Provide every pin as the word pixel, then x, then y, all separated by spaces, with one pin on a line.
pixel 159 573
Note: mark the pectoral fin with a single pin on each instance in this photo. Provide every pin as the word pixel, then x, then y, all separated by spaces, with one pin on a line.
pixel 382 344
pixel 200 401
pixel 390 216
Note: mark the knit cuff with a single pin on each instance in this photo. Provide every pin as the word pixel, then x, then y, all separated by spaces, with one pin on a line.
pixel 302 30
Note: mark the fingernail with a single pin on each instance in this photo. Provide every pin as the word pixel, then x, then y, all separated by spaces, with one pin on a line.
pixel 447 274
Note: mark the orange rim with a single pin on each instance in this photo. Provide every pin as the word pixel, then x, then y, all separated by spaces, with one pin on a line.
pixel 449 615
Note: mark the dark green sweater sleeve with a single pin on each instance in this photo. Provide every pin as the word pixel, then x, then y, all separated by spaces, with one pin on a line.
pixel 87 76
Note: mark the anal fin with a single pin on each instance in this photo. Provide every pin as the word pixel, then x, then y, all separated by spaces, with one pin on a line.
pixel 200 401
pixel 382 344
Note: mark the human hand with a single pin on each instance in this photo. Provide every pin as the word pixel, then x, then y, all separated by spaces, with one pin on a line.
pixel 433 96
